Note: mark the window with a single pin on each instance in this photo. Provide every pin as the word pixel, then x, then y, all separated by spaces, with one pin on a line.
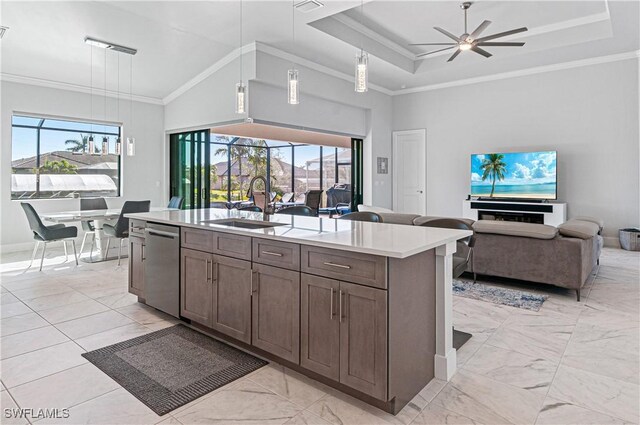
pixel 231 162
pixel 50 159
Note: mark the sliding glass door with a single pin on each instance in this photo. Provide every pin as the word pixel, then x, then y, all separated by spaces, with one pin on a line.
pixel 190 168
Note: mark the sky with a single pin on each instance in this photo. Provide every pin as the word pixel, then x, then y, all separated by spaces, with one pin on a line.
pixel 521 168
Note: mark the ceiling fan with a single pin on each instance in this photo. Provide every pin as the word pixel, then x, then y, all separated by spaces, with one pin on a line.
pixel 471 41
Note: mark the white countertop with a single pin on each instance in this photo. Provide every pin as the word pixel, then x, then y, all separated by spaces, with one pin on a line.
pixel 389 240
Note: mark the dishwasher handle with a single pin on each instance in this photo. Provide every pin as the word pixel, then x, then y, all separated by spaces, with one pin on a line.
pixel 162 234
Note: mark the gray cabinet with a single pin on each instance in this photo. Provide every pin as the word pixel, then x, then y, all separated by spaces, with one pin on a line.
pixel 344 333
pixel 196 288
pixel 136 265
pixel 232 297
pixel 363 339
pixel 320 326
pixel 276 311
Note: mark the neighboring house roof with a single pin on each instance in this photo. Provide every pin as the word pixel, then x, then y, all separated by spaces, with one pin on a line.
pixel 62 183
pixel 79 160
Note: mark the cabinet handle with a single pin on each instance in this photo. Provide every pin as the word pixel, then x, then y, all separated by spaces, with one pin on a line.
pixel 142 257
pixel 340 304
pixel 215 271
pixel 254 275
pixel 275 254
pixel 331 305
pixel 342 266
pixel 209 270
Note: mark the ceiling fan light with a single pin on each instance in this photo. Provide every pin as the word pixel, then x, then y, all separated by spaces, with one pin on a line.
pixel 465 46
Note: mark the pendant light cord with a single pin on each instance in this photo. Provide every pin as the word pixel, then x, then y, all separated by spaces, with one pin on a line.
pixel 361 19
pixel 241 49
pixel 293 26
pixel 131 90
pixel 91 92
pixel 104 124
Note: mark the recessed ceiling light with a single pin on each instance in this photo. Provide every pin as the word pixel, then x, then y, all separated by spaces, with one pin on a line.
pixel 2 31
pixel 308 5
pixel 110 46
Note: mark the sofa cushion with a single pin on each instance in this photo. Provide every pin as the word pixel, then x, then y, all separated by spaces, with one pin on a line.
pixel 396 218
pixel 512 228
pixel 595 220
pixel 579 229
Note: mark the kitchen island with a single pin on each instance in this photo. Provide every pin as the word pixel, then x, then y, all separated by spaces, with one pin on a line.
pixel 363 307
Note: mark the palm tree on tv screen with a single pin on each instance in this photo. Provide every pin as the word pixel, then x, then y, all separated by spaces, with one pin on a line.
pixel 494 168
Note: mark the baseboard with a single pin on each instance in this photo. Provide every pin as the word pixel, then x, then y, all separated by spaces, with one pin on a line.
pixel 611 241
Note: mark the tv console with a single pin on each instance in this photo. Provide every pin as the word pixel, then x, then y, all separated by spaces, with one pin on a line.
pixel 551 213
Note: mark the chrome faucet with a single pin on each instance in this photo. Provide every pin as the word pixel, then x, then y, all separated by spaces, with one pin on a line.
pixel 265 208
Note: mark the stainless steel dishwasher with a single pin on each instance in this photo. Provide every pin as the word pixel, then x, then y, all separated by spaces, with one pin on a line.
pixel 162 268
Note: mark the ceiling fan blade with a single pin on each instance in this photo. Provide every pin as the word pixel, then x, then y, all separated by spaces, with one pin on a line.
pixel 453 56
pixel 480 29
pixel 481 51
pixel 433 44
pixel 504 43
pixel 502 34
pixel 447 33
pixel 435 51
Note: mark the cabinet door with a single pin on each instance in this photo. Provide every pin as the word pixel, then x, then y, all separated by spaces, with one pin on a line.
pixel 232 297
pixel 320 327
pixel 136 266
pixel 196 290
pixel 363 339
pixel 276 311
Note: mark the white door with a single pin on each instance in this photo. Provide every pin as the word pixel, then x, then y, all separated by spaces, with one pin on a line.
pixel 409 171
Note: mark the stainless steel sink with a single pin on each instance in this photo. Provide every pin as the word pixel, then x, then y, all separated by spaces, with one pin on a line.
pixel 243 223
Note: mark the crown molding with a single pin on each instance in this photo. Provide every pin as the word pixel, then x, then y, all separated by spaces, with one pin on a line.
pixel 635 54
pixel 226 60
pixel 13 78
pixel 273 51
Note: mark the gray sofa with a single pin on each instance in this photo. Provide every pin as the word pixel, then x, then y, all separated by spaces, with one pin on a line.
pixel 563 256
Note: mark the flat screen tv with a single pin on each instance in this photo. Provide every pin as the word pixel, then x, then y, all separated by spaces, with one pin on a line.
pixel 522 175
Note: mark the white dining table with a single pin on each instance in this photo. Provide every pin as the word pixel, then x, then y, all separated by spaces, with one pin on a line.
pixel 98 217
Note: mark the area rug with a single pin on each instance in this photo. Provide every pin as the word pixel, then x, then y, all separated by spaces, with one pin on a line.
pixel 505 296
pixel 173 366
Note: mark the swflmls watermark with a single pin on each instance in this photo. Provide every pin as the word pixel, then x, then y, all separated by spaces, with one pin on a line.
pixel 36 414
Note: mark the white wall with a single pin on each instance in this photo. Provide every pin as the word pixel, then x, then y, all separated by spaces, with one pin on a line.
pixel 588 114
pixel 143 174
pixel 211 101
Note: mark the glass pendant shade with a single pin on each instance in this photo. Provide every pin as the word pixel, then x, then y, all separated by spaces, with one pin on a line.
pixel 362 72
pixel 92 146
pixel 105 146
pixel 131 146
pixel 241 98
pixel 118 147
pixel 294 87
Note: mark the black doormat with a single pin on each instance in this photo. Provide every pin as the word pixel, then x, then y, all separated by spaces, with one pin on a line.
pixel 173 366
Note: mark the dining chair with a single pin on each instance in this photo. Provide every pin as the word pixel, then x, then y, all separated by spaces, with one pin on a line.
pixel 312 200
pixel 297 210
pixel 463 257
pixel 251 208
pixel 88 227
pixel 46 234
pixel 176 202
pixel 362 216
pixel 120 229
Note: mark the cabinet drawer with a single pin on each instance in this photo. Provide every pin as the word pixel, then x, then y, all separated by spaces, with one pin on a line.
pixel 370 270
pixel 202 240
pixel 136 227
pixel 231 245
pixel 279 254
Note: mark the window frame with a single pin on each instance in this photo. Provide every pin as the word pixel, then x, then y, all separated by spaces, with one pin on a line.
pixel 42 119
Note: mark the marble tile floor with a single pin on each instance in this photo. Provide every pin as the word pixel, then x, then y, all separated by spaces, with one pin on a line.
pixel 569 363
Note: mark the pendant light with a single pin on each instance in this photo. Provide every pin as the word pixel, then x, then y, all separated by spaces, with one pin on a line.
pixel 362 63
pixel 118 141
pixel 92 145
pixel 293 83
pixel 241 90
pixel 131 141
pixel 105 139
